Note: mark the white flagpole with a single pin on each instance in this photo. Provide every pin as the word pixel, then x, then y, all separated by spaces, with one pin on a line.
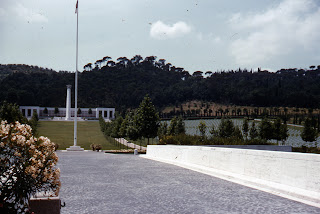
pixel 76 84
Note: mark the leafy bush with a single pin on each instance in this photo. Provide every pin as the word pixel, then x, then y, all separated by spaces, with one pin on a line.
pixel 27 166
pixel 95 147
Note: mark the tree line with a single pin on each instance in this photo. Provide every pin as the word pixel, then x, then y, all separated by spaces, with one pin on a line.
pixel 122 83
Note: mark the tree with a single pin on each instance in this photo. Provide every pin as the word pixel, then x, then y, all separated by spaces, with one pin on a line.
pixel 284 133
pixel 202 129
pixel 226 128
pixel 245 128
pixel 11 113
pixel 79 111
pixel 124 127
pixel 45 111
pixel 309 133
pixel 90 111
pixel 213 131
pixel 56 110
pixel 163 130
pixel 280 131
pixel 237 133
pixel 172 126
pixel 132 128
pixel 106 59
pixel 147 119
pixel 34 122
pixel 253 133
pixel 276 129
pixel 180 128
pixel 265 129
pixel 116 125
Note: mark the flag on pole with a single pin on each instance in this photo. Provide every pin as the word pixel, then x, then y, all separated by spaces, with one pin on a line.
pixel 77 7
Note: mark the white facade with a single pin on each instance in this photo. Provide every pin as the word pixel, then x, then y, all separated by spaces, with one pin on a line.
pixel 68 112
pixel 107 113
pixel 28 111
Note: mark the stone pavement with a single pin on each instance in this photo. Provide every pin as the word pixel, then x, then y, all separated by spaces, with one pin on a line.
pixel 95 182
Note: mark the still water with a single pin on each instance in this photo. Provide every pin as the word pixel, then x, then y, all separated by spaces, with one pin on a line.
pixel 294 138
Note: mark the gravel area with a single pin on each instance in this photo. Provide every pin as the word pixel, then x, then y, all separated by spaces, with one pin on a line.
pixel 96 182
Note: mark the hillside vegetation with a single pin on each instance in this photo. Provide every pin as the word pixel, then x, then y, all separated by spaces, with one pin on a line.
pixel 123 84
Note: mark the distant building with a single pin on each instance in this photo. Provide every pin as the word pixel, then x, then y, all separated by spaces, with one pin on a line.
pixel 107 113
pixel 68 112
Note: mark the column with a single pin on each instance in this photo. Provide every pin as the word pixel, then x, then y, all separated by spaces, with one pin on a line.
pixel 68 103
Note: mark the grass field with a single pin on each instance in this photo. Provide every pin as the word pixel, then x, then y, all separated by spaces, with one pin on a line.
pixel 61 132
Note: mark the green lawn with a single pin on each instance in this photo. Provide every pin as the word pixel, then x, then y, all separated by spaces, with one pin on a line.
pixel 61 132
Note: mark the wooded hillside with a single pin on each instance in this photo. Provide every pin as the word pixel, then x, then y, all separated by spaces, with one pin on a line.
pixel 124 83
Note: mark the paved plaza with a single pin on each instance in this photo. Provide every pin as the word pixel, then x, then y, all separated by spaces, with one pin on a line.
pixel 95 182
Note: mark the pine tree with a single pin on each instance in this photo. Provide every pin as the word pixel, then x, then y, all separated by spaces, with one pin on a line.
pixel 226 128
pixel 163 129
pixel 245 128
pixel 253 133
pixel 11 113
pixel 265 129
pixel 202 128
pixel 180 128
pixel 309 133
pixel 172 126
pixel 147 119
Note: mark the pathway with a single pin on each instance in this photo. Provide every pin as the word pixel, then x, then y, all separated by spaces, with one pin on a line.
pixel 96 182
pixel 130 145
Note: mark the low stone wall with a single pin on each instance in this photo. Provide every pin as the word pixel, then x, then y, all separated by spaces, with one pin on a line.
pixel 293 175
pixel 257 147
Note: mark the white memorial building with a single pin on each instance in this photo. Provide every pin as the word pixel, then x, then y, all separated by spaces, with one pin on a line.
pixel 68 112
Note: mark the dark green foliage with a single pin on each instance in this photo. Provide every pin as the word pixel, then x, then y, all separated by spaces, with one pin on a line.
pixel 45 111
pixel 309 133
pixel 245 128
pixel 132 128
pixel 280 130
pixel 180 128
pixel 90 111
pixel 79 111
pixel 184 139
pixel 56 110
pixel 237 133
pixel 226 128
pixel 253 132
pixel 265 129
pixel 116 125
pixel 34 123
pixel 163 130
pixel 176 127
pixel 172 127
pixel 202 128
pixel 213 131
pixel 147 119
pixel 11 113
pixel 124 127
pixel 124 84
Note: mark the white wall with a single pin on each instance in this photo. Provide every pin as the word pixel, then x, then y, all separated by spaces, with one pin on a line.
pixel 294 174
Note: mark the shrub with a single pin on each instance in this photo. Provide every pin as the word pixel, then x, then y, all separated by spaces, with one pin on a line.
pixel 95 147
pixel 27 166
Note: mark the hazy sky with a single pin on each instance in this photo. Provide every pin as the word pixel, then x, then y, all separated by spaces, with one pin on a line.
pixel 194 34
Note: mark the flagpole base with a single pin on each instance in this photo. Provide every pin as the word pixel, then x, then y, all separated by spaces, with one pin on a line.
pixel 75 148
